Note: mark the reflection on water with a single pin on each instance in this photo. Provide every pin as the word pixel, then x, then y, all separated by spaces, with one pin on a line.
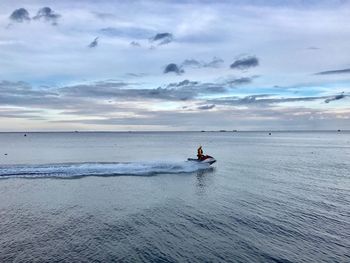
pixel 203 178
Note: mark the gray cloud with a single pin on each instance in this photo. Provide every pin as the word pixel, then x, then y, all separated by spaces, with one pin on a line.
pixel 330 72
pixel 162 38
pixel 262 100
pixel 185 82
pixel 184 90
pixel 197 88
pixel 337 97
pixel 94 43
pixel 21 114
pixel 20 88
pixel 90 101
pixel 172 67
pixel 245 63
pixel 313 48
pixel 20 15
pixel 191 63
pixel 135 44
pixel 214 63
pixel 135 75
pixel 47 14
pixel 80 97
pixel 104 16
pixel 22 94
pixel 206 107
pixel 240 81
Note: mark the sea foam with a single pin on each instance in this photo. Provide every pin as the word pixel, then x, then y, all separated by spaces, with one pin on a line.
pixel 67 170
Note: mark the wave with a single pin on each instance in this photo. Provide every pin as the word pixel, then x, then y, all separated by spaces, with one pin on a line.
pixel 69 170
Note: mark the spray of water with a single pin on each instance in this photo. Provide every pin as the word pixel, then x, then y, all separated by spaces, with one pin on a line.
pixel 99 169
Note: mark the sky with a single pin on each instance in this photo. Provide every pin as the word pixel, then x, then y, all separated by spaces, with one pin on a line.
pixel 174 65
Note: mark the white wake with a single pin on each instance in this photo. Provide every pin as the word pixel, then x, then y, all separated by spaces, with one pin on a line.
pixel 99 169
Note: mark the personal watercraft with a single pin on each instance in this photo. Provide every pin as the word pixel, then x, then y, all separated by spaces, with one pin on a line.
pixel 204 159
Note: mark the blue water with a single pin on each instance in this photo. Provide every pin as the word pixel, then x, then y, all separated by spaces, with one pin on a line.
pixel 133 197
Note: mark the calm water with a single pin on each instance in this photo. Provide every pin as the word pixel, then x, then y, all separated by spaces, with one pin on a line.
pixel 83 197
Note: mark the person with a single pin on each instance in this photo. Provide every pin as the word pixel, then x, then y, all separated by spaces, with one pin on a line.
pixel 200 153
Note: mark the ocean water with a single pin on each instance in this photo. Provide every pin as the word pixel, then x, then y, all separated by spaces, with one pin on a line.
pixel 132 197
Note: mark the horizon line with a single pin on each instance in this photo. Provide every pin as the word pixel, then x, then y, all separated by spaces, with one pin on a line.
pixel 201 131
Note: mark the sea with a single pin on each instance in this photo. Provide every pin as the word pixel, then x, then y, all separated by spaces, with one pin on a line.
pixel 134 197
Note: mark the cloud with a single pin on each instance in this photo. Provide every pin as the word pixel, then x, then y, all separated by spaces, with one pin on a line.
pixel 245 63
pixel 206 107
pixel 135 75
pixel 337 97
pixel 80 97
pixel 103 15
pixel 135 44
pixel 20 15
pixel 94 43
pixel 262 100
pixel 330 72
pixel 214 63
pixel 21 114
pixel 185 82
pixel 162 38
pixel 191 63
pixel 47 14
pixel 313 48
pixel 22 94
pixel 240 81
pixel 181 91
pixel 130 106
pixel 172 67
pixel 120 91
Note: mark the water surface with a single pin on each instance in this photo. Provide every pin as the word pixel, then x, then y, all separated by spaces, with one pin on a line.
pixel 133 197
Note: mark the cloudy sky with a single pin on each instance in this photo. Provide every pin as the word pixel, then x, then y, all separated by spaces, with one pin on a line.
pixel 174 65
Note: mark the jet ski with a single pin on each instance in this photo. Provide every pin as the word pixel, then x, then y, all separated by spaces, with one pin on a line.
pixel 204 159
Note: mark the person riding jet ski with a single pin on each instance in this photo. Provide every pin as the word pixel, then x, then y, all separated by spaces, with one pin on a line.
pixel 200 153
pixel 201 158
